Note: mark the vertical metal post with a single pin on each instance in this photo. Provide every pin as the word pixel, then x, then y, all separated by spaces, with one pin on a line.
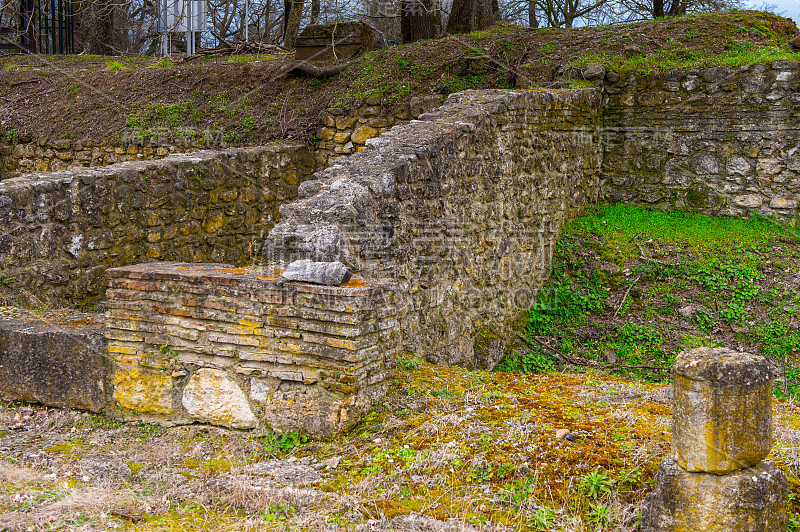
pixel 187 20
pixel 246 20
pixel 60 27
pixel 53 26
pixel 38 7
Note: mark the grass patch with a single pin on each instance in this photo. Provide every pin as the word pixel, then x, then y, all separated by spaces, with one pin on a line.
pixel 632 287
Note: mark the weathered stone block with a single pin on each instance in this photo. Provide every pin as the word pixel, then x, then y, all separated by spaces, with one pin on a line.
pixel 329 273
pixel 722 413
pixel 213 397
pixel 749 499
pixel 339 40
pixel 53 365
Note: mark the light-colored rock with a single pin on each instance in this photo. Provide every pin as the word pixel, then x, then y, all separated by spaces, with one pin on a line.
pixel 594 71
pixel 211 396
pixel 722 412
pixel 748 200
pixel 782 203
pixel 307 271
pixel 747 500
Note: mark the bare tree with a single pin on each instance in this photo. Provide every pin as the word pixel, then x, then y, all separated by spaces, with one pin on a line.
pixel 470 15
pixel 420 19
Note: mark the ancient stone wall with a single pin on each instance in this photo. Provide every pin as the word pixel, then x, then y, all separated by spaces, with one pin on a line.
pixel 721 140
pixel 243 348
pixel 346 131
pixel 462 208
pixel 60 231
pixel 19 156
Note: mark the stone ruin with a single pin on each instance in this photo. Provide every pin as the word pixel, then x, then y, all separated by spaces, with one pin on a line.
pixel 338 41
pixel 716 480
pixel 447 223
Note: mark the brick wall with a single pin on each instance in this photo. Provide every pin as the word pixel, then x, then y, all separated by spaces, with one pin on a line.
pixel 291 356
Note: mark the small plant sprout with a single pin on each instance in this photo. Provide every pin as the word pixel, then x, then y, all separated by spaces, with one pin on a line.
pixel 596 483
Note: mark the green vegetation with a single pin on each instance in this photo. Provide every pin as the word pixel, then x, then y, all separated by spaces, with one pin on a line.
pixel 276 443
pixel 115 66
pixel 632 287
pixel 162 62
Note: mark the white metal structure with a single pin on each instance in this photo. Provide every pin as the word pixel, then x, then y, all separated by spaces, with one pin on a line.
pixel 178 16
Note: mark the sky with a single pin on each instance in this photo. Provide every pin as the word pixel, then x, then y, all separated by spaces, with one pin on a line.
pixel 785 8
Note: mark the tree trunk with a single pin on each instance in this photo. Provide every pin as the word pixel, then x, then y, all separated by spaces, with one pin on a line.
pixel 292 20
pixel 419 19
pixel 315 8
pixel 533 20
pixel 470 15
pixel 102 27
pixel 658 8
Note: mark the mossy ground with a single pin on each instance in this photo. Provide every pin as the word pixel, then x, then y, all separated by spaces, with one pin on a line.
pixel 630 288
pixel 475 446
pixel 246 100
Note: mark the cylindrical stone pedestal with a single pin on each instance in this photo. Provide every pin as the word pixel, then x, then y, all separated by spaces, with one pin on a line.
pixel 721 430
pixel 750 499
pixel 722 410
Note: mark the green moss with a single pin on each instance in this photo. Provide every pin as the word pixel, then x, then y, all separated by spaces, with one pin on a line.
pixel 695 198
pixel 68 448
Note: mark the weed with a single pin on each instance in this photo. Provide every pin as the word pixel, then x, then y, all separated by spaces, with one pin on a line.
pixel 408 363
pixel 596 483
pixel 600 513
pixel 162 62
pixel 547 48
pixel 283 443
pixel 443 394
pixel 115 66
pixel 518 492
pixel 277 513
pixel 148 431
pixel 535 360
pixel 10 67
pixel 543 519
pixel 11 136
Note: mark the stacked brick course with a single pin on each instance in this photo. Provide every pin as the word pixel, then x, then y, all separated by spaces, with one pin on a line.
pixel 294 348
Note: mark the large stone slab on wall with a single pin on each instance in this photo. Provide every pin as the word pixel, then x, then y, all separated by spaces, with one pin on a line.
pixel 188 338
pixel 56 364
pixel 337 40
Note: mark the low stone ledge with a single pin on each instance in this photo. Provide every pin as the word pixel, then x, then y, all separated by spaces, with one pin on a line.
pixel 57 364
pixel 285 355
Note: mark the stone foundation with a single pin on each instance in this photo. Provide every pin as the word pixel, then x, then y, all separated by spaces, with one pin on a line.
pixel 243 348
pixel 60 231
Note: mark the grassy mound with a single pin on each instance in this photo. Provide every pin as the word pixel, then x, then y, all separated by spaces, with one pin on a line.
pixel 242 100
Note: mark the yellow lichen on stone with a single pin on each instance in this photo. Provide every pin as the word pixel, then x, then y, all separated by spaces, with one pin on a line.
pixel 363 133
pixel 143 391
